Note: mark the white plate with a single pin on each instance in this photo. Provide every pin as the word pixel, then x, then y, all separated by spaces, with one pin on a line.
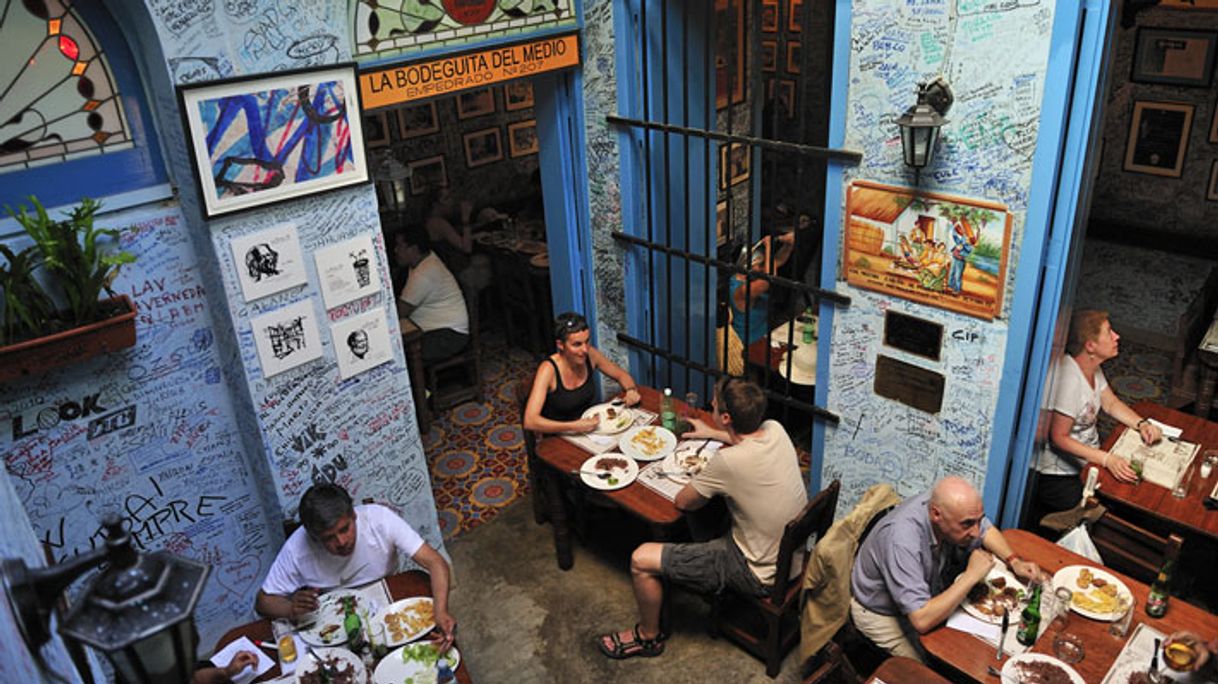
pixel 619 477
pixel 999 570
pixel 607 426
pixel 345 657
pixel 1010 670
pixel 675 465
pixel 393 670
pixel 414 602
pixel 330 613
pixel 1068 577
pixel 667 442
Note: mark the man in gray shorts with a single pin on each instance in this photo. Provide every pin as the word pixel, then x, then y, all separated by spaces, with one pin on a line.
pixel 757 472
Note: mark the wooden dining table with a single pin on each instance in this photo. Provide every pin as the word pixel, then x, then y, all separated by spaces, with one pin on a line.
pixel 763 354
pixel 402 585
pixel 967 656
pixel 1188 512
pixel 901 670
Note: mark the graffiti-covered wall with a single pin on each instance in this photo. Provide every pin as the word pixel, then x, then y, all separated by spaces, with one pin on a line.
pixel 985 156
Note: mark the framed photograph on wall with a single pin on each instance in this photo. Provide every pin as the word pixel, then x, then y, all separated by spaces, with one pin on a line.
pixel 769 55
pixel 1214 125
pixel 1175 56
pixel 427 175
pixel 241 157
pixel 769 16
pixel 1158 136
pixel 793 55
pixel 483 147
pixel 376 129
pixel 1211 190
pixel 733 164
pixel 730 52
pixel 471 103
pixel 517 95
pixel 417 120
pixel 786 97
pixel 795 10
pixel 722 224
pixel 522 138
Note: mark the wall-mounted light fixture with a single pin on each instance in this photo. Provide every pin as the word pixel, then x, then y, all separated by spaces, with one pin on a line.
pixel 920 123
pixel 138 611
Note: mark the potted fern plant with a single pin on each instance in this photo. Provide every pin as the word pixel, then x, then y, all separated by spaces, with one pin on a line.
pixel 79 263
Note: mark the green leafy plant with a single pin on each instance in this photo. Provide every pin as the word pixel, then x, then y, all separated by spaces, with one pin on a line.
pixel 73 254
pixel 27 307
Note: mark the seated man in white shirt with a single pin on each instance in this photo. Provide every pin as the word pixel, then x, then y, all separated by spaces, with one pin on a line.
pixel 432 298
pixel 340 545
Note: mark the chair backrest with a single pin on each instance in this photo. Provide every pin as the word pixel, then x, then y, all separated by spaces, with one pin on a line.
pixel 1133 550
pixel 522 398
pixel 816 517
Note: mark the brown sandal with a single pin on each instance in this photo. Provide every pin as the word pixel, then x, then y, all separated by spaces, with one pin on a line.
pixel 647 648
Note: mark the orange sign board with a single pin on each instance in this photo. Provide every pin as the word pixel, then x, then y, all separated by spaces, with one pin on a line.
pixel 420 80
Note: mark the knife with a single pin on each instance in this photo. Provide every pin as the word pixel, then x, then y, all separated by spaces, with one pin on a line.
pixel 1154 660
pixel 1006 623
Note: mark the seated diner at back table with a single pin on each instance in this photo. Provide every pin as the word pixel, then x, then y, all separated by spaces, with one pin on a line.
pixel 563 387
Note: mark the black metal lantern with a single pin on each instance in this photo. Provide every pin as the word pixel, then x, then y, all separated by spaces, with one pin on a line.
pixel 138 611
pixel 920 123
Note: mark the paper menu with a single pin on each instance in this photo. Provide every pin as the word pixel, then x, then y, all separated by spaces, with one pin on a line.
pixel 1135 657
pixel 1166 460
pixel 225 656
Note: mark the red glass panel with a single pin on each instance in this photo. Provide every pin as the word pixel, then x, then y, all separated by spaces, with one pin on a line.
pixel 69 48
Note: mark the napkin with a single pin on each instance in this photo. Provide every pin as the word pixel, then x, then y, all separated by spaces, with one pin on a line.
pixel 225 656
pixel 1167 430
pixel 603 439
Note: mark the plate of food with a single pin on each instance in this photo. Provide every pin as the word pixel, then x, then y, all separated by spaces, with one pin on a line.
pixel 688 460
pixel 613 419
pixel 1000 591
pixel 648 443
pixel 608 472
pixel 1038 668
pixel 330 666
pixel 327 630
pixel 413 664
pixel 405 620
pixel 1097 593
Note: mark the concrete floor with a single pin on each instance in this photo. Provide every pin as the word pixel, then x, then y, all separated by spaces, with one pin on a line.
pixel 524 620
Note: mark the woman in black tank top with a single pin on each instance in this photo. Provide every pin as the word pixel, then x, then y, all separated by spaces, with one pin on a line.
pixel 563 387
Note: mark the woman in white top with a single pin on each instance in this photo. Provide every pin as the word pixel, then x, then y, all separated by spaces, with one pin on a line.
pixel 1081 392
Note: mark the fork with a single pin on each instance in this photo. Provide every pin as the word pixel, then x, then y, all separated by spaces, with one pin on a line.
pixel 598 474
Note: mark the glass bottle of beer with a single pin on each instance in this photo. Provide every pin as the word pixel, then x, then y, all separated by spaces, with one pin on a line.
pixel 1156 602
pixel 668 412
pixel 1029 619
pixel 352 625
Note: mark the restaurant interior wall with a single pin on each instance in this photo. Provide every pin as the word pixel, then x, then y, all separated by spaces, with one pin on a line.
pixel 986 152
pixel 217 454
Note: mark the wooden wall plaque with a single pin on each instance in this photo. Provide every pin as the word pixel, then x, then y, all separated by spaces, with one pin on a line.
pixel 914 335
pixel 909 384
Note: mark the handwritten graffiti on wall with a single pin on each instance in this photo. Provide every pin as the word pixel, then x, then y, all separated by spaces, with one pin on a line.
pixel 385 27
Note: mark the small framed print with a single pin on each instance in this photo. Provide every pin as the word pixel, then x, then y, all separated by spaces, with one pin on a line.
pixel 347 271
pixel 483 147
pixel 417 120
pixel 427 175
pixel 376 129
pixel 793 55
pixel 1158 136
pixel 733 164
pixel 517 95
pixel 786 97
pixel 268 261
pixel 795 10
pixel 362 342
pixel 731 53
pixel 769 55
pixel 769 16
pixel 522 138
pixel 471 103
pixel 1174 56
pixel 1214 125
pixel 722 223
pixel 286 338
pixel 1211 191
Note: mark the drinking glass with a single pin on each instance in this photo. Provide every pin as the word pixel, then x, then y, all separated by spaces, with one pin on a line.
pixel 1120 627
pixel 691 404
pixel 1181 489
pixel 1179 652
pixel 1138 462
pixel 1066 646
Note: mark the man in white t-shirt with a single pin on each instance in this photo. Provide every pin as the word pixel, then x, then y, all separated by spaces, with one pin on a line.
pixel 757 473
pixel 340 545
pixel 431 298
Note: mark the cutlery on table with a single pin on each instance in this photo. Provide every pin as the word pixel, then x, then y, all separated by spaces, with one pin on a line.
pixel 598 474
pixel 1154 662
pixel 1002 636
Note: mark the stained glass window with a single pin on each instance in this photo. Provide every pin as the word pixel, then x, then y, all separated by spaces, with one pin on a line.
pixel 391 27
pixel 58 98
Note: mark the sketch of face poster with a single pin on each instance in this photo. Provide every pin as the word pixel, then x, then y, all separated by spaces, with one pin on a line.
pixel 347 271
pixel 268 261
pixel 361 342
pixel 287 337
pixel 938 249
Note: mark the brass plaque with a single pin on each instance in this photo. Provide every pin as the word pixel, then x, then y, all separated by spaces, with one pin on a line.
pixel 909 384
pixel 914 335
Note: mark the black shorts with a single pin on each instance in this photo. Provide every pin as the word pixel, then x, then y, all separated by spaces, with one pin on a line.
pixel 709 567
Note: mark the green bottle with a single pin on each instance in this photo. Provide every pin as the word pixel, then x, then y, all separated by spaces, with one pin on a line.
pixel 1029 619
pixel 352 625
pixel 668 412
pixel 1156 602
pixel 807 320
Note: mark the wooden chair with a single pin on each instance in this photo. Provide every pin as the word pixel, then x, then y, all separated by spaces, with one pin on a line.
pixel 769 638
pixel 1133 550
pixel 469 360
pixel 540 515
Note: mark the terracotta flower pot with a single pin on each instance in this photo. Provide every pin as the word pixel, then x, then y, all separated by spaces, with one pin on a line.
pixel 37 356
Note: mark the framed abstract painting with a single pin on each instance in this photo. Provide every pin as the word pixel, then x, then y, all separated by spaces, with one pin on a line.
pixel 259 140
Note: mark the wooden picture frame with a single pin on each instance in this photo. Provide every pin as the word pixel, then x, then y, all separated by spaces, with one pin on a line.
pixel 427 175
pixel 1158 138
pixel 769 55
pixel 794 8
pixel 731 53
pixel 376 130
pixel 1189 4
pixel 786 97
pixel 1174 56
pixel 418 119
pixel 733 166
pixel 793 55
pixel 483 147
pixel 722 223
pixel 522 138
pixel 1211 190
pixel 472 103
pixel 517 95
pixel 1214 125
pixel 254 168
pixel 769 16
